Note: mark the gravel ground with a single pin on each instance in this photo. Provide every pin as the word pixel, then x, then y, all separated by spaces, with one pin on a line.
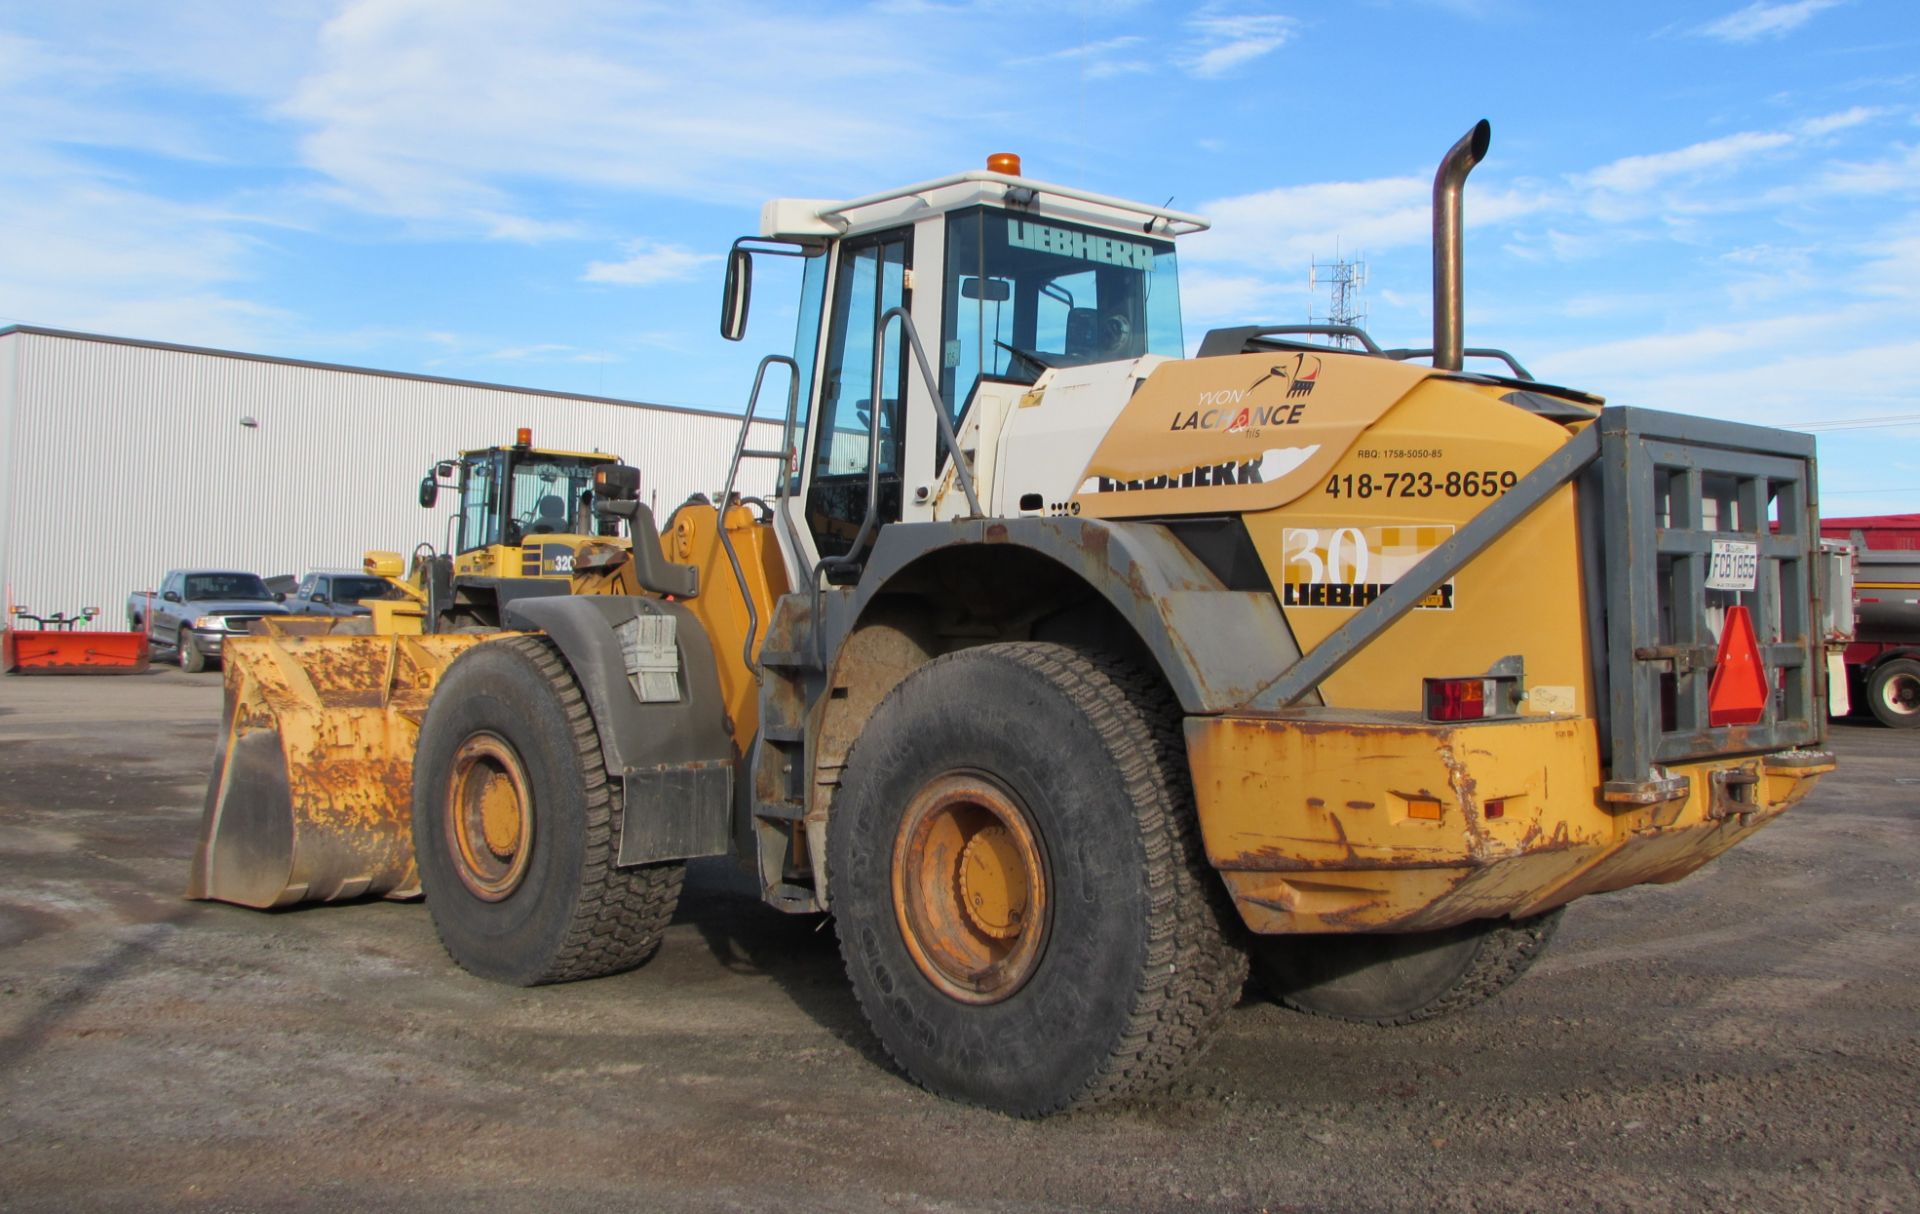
pixel 1748 1038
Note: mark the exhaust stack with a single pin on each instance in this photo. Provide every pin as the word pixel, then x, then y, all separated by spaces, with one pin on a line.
pixel 1449 335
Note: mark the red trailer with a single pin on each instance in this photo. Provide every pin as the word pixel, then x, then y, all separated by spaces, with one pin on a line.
pixel 1883 662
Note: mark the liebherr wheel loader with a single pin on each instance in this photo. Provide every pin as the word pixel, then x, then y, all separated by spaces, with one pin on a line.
pixel 1070 673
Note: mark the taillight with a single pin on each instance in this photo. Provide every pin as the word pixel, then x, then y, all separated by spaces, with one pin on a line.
pixel 1478 698
pixel 1458 699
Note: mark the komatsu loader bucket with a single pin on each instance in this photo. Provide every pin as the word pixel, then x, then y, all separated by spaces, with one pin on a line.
pixel 309 798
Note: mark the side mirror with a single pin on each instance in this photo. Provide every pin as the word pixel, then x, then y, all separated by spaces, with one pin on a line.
pixel 429 490
pixel 171 596
pixel 736 294
pixel 318 598
pixel 993 290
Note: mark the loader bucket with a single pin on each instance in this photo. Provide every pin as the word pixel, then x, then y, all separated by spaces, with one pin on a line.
pixel 310 795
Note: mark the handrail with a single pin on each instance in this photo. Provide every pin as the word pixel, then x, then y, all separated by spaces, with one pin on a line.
pixel 962 469
pixel 741 451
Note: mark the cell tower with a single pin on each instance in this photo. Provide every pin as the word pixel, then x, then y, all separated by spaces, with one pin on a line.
pixel 1344 280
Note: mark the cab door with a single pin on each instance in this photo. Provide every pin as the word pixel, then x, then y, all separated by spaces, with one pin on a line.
pixel 869 279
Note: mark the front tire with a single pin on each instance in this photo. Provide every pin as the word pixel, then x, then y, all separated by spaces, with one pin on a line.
pixel 517 829
pixel 1022 902
pixel 192 660
pixel 1393 978
pixel 1893 693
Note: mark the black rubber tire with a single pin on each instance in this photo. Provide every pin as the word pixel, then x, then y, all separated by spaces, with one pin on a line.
pixel 191 659
pixel 1893 693
pixel 574 914
pixel 1139 962
pixel 1401 978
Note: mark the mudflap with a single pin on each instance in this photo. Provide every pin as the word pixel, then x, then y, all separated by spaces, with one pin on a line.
pixel 310 795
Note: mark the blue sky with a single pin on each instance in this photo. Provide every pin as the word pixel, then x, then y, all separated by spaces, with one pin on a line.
pixel 1712 207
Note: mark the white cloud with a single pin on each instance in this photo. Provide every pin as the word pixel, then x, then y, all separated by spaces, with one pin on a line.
pixel 1637 174
pixel 455 112
pixel 1294 224
pixel 1225 39
pixel 1827 124
pixel 1764 19
pixel 650 262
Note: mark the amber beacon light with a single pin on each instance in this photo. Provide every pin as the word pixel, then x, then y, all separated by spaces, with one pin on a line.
pixel 1004 162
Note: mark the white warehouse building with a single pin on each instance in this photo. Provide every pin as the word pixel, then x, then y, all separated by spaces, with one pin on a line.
pixel 122 459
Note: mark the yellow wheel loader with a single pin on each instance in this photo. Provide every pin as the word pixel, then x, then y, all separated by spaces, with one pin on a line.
pixel 1071 675
pixel 525 513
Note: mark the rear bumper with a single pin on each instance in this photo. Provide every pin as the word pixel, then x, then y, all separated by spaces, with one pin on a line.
pixel 1320 824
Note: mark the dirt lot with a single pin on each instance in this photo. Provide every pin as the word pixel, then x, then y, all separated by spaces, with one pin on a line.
pixel 1746 1039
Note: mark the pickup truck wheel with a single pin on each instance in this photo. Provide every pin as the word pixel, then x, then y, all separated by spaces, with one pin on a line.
pixel 1893 693
pixel 1022 902
pixel 191 659
pixel 1401 977
pixel 517 829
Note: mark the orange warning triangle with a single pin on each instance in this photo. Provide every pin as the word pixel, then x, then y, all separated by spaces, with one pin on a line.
pixel 1738 693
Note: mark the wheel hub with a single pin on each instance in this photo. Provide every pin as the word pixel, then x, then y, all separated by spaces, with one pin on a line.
pixel 970 888
pixel 489 815
pixel 993 887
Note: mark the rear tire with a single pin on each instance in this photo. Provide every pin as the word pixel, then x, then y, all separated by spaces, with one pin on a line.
pixel 1022 902
pixel 517 829
pixel 1893 693
pixel 191 659
pixel 1403 977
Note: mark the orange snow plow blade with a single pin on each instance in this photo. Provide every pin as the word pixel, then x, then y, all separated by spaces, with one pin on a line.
pixel 310 796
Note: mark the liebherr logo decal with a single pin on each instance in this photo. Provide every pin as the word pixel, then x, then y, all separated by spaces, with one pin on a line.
pixel 1271 465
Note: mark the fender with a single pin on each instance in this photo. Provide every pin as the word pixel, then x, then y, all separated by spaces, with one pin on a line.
pixel 674 759
pixel 1216 647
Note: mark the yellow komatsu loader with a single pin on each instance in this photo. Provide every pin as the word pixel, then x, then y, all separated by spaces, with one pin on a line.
pixel 524 514
pixel 1071 674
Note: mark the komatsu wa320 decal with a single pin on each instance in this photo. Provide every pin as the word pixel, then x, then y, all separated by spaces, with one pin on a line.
pixel 1352 566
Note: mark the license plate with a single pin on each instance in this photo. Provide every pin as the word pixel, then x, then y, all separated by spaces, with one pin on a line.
pixel 1735 565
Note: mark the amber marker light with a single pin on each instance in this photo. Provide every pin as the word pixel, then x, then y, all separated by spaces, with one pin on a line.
pixel 1004 162
pixel 523 437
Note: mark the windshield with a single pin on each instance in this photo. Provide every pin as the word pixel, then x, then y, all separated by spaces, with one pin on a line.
pixel 354 589
pixel 1025 294
pixel 552 494
pixel 227 586
pixel 544 494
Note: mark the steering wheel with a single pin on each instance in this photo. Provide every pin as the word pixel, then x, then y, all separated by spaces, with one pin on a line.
pixel 1031 357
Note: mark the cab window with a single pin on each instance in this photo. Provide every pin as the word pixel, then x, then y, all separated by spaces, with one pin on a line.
pixel 1022 295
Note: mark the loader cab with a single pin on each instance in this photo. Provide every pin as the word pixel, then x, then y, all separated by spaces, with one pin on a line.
pixel 1003 278
pixel 511 496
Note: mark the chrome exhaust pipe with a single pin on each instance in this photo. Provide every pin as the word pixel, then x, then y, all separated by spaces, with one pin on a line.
pixel 1449 330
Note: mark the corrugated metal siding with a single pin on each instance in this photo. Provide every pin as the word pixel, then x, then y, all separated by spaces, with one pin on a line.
pixel 123 461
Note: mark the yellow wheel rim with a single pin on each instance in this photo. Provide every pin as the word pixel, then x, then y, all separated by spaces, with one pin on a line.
pixel 970 889
pixel 489 816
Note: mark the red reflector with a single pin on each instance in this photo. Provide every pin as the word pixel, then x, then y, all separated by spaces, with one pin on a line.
pixel 1456 699
pixel 1738 693
pixel 1495 809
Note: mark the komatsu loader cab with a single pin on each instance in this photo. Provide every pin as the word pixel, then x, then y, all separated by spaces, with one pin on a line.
pixel 1071 675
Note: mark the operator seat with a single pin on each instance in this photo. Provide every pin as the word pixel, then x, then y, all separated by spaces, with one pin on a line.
pixel 552 510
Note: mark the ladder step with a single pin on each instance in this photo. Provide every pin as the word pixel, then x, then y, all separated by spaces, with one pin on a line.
pixel 779 811
pixel 783 731
pixel 786 659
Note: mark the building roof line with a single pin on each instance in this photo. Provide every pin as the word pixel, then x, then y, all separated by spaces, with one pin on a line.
pixel 140 343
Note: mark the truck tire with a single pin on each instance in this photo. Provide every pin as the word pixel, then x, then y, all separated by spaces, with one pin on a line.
pixel 517 829
pixel 191 659
pixel 1893 693
pixel 1400 978
pixel 1015 872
